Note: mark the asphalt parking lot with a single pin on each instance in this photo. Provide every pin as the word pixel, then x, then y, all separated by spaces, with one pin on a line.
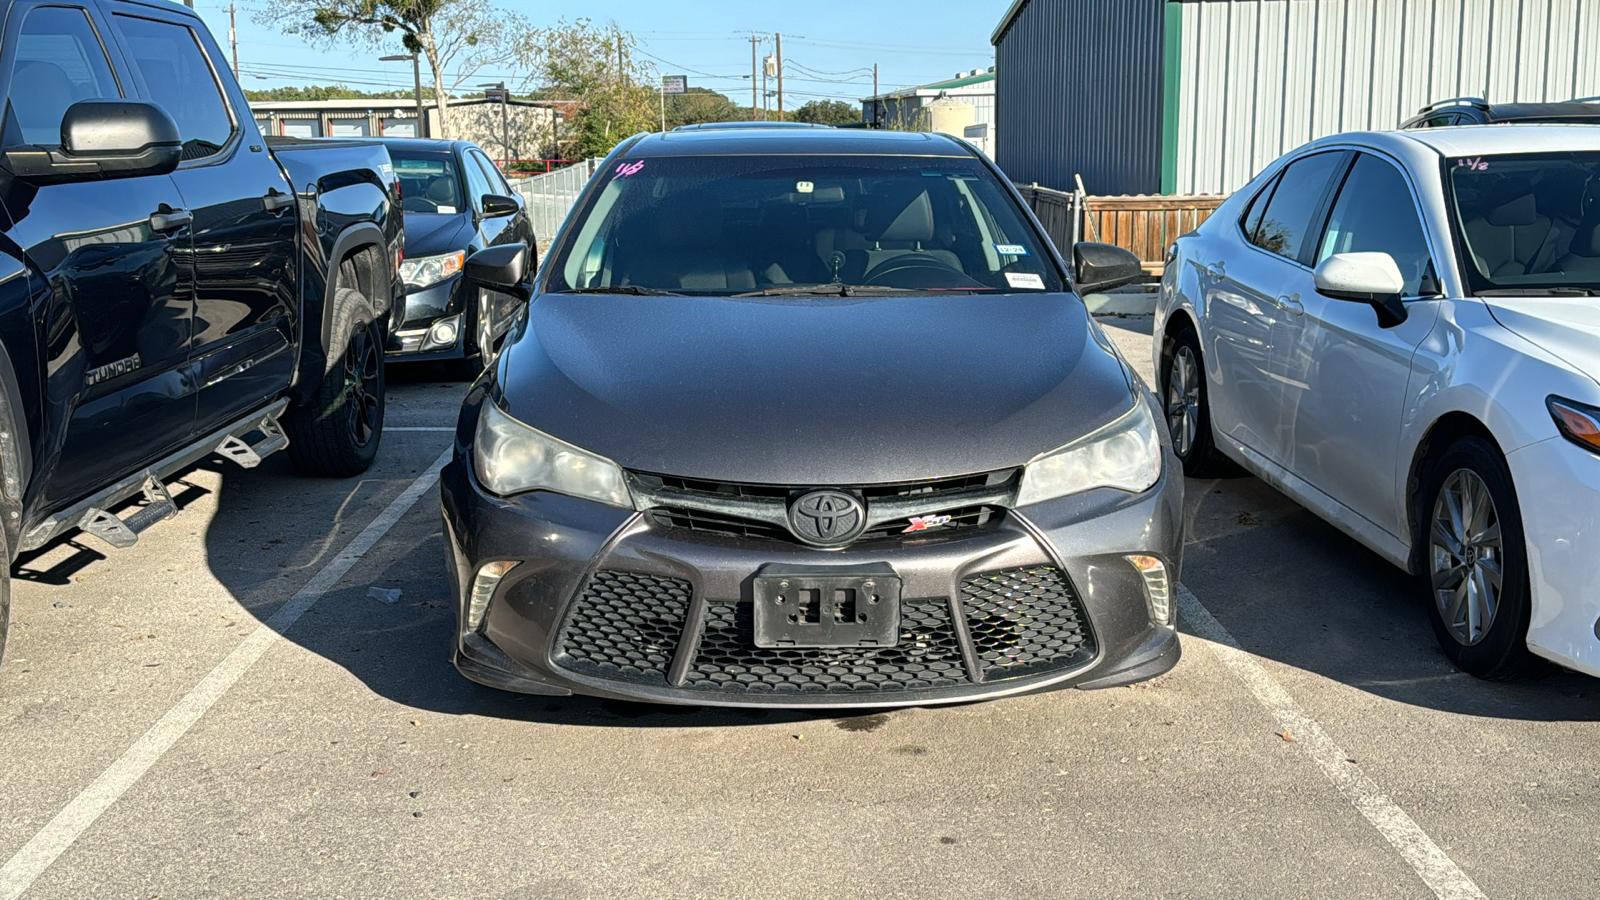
pixel 238 707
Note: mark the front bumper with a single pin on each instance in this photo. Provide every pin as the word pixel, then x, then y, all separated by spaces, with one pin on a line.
pixel 423 309
pixel 1558 489
pixel 606 602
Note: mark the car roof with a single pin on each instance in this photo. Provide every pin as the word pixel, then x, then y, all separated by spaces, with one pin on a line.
pixel 1568 110
pixel 727 126
pixel 1475 140
pixel 794 142
pixel 437 145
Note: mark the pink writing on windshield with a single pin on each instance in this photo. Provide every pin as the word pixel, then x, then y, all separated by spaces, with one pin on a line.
pixel 627 169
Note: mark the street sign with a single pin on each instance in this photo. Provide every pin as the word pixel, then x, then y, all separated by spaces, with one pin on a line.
pixel 674 84
pixel 494 95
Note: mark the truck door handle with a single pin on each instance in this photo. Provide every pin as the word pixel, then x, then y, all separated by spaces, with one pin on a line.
pixel 276 200
pixel 1291 304
pixel 168 219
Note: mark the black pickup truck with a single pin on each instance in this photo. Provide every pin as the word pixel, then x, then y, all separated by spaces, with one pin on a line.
pixel 170 286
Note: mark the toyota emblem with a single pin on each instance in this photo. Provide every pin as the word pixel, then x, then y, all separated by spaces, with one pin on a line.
pixel 827 518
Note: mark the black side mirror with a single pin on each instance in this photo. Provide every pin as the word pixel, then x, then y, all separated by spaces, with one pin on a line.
pixel 496 206
pixel 1101 267
pixel 102 139
pixel 503 268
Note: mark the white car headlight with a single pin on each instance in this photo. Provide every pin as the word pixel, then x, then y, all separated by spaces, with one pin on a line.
pixel 512 458
pixel 1125 455
pixel 427 271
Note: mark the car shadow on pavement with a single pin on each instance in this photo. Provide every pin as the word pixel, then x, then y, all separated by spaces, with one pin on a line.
pixel 1293 589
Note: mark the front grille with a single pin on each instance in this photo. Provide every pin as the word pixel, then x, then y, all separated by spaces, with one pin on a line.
pixel 1025 621
pixel 628 627
pixel 928 656
pixel 757 511
pixel 624 626
pixel 717 523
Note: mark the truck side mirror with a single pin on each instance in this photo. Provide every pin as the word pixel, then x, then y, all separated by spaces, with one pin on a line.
pixel 1101 267
pixel 102 139
pixel 503 268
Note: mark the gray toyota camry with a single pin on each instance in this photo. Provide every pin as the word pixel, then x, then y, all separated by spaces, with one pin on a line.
pixel 809 418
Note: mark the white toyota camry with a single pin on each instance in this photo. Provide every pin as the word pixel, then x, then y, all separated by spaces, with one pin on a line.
pixel 1401 331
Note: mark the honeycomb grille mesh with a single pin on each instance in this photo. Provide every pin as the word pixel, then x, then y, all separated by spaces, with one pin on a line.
pixel 624 626
pixel 1024 622
pixel 729 661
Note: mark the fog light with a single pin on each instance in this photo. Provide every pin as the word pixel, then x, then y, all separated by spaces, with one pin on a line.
pixel 443 333
pixel 1157 588
pixel 483 585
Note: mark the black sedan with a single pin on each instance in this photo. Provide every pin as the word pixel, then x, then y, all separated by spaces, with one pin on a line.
pixel 810 418
pixel 456 202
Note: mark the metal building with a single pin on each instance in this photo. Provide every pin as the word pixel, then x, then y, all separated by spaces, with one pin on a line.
pixel 1195 96
pixel 905 109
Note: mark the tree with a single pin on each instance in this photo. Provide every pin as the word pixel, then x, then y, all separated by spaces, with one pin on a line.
pixel 702 105
pixel 597 67
pixel 322 92
pixel 828 112
pixel 458 37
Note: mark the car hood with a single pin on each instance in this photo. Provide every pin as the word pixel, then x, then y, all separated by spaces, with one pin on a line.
pixel 816 390
pixel 1568 327
pixel 430 234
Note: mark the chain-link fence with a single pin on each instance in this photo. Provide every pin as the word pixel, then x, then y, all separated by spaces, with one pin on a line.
pixel 551 196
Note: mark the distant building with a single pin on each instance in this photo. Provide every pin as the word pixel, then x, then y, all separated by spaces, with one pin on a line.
pixel 907 109
pixel 529 124
pixel 1196 96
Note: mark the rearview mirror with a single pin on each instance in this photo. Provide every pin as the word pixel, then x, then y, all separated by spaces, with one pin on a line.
pixel 1101 267
pixel 503 268
pixel 1370 278
pixel 498 205
pixel 102 139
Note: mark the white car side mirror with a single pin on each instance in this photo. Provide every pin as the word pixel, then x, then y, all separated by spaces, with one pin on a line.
pixel 1371 278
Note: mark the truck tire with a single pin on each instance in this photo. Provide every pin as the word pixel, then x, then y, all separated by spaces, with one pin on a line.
pixel 337 434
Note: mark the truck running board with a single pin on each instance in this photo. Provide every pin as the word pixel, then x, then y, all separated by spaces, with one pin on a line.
pixel 93 515
pixel 124 533
pixel 250 455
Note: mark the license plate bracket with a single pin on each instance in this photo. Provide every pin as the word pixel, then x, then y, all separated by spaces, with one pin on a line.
pixel 826 606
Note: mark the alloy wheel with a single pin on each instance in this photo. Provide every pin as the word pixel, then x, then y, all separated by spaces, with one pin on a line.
pixel 1183 400
pixel 1467 557
pixel 362 364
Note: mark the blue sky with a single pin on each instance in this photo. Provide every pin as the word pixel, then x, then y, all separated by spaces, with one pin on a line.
pixel 829 45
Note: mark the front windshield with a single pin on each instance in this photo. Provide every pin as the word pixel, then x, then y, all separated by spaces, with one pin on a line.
pixel 1528 221
pixel 801 224
pixel 428 181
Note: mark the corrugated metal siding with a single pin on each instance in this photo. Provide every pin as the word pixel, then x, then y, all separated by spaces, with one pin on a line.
pixel 1261 77
pixel 1079 91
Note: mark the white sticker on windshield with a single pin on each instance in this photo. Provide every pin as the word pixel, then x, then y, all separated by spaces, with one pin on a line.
pixel 1025 280
pixel 1011 249
pixel 448 210
pixel 805 187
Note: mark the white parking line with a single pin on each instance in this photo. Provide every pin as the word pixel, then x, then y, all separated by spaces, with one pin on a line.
pixel 36 856
pixel 1437 871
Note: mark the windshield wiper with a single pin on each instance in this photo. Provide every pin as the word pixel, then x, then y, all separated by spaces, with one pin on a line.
pixel 633 289
pixel 1552 291
pixel 837 290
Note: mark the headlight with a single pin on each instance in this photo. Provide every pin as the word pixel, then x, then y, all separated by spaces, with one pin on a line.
pixel 512 458
pixel 427 271
pixel 1125 455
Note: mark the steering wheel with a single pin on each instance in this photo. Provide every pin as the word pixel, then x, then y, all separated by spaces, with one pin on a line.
pixel 407 205
pixel 920 271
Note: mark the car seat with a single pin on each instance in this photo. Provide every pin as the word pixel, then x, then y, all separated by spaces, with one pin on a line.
pixel 1513 237
pixel 40 95
pixel 679 245
pixel 442 191
pixel 903 229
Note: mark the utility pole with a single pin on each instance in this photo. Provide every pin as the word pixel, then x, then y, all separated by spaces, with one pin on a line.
pixel 875 101
pixel 780 77
pixel 233 39
pixel 416 77
pixel 753 65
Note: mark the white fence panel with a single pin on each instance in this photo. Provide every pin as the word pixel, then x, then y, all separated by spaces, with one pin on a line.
pixel 552 195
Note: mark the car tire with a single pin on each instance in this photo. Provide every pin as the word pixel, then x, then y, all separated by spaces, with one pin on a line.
pixel 5 596
pixel 337 434
pixel 477 343
pixel 1185 402
pixel 1471 535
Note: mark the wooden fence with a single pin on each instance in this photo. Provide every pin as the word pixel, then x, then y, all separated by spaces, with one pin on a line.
pixel 1145 225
